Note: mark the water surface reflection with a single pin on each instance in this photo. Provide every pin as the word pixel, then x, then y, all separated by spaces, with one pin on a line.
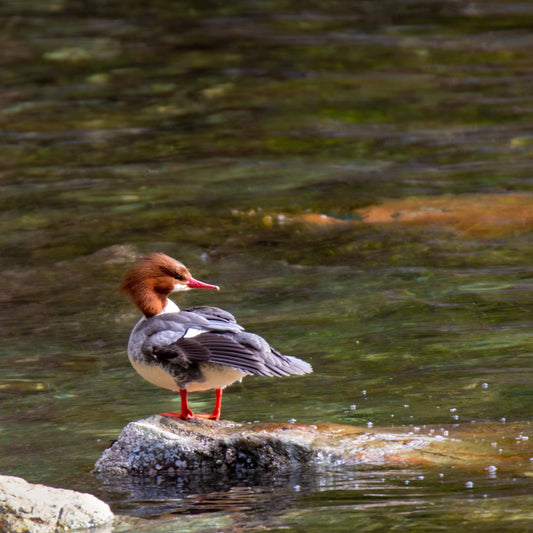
pixel 258 142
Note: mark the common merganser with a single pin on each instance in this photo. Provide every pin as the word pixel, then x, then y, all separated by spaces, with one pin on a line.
pixel 196 349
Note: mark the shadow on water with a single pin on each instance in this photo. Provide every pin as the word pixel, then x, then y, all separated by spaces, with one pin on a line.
pixel 358 180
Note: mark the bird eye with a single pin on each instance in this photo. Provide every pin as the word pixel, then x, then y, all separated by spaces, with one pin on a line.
pixel 179 277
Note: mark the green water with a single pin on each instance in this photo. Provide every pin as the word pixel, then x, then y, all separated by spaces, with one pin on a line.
pixel 127 128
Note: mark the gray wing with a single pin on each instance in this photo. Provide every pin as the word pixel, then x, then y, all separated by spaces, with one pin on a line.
pixel 212 313
pixel 215 338
pixel 169 336
pixel 198 318
pixel 210 348
pixel 273 363
pixel 244 351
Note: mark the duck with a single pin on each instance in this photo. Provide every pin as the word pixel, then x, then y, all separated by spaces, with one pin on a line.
pixel 195 349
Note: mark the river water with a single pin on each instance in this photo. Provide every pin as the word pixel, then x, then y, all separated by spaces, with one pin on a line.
pixel 358 179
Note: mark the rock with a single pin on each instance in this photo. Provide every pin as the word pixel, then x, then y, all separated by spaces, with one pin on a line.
pixel 166 457
pixel 163 446
pixel 479 214
pixel 25 507
pixel 470 214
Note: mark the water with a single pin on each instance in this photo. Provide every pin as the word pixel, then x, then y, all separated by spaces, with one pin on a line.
pixel 216 134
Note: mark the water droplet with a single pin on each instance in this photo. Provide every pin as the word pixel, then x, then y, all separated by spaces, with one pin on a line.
pixel 469 485
pixel 369 424
pixel 491 470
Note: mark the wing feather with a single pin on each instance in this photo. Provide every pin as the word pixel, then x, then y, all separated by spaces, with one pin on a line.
pixel 223 342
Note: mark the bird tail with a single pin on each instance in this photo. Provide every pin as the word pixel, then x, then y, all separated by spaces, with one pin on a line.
pixel 299 367
pixel 286 365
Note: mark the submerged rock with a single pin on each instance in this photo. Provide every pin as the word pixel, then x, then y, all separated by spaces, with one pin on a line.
pixel 27 507
pixel 480 214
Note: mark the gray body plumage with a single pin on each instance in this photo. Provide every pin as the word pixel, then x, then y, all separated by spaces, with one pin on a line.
pixel 203 348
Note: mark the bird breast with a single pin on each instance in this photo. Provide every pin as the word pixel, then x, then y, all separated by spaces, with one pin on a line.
pixel 213 376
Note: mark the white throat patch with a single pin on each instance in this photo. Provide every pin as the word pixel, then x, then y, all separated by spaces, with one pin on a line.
pixel 171 307
pixel 179 287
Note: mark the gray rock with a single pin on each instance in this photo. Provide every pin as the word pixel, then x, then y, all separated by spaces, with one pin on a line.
pixel 162 446
pixel 25 507
pixel 161 457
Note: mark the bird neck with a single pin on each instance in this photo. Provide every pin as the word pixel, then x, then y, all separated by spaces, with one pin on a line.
pixel 171 307
pixel 148 301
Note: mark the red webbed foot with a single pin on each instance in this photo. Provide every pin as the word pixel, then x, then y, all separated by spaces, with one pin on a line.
pixel 187 414
pixel 182 416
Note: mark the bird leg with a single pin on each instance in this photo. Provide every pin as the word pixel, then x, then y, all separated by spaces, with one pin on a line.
pixel 218 406
pixel 187 414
